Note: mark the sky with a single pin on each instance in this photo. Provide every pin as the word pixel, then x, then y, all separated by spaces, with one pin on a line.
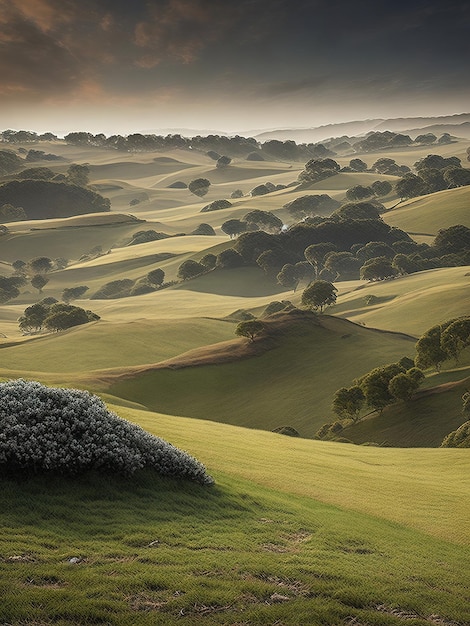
pixel 123 66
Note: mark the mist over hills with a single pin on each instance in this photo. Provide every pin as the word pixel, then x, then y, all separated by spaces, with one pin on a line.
pixel 458 125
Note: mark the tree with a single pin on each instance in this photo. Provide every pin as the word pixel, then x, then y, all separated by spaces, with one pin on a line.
pixel 409 186
pixel 39 281
pixel 358 165
pixel 234 227
pixel 229 259
pixel 375 385
pixel 374 249
pixel 265 220
pixel 359 192
pixel 343 265
pixel 426 139
pixel 209 261
pixel 377 268
pixel 310 205
pixel 457 176
pixel 10 213
pixel 316 253
pixel 73 293
pixel 40 265
pixel 403 385
pixel 453 239
pixel 199 186
pixel 156 277
pixel 349 402
pixel 429 351
pixel 381 188
pixel 33 317
pixel 78 175
pixel 62 316
pixel 204 229
pixel 271 261
pixel 250 329
pixel 190 269
pixel 360 210
pixel 223 161
pixel 288 276
pixel 9 287
pixel 318 295
pixel 456 337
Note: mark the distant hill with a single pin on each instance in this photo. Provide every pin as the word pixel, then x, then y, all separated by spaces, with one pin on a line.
pixel 43 199
pixel 361 127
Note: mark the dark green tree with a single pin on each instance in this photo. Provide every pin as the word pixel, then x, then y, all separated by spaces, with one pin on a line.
pixel 156 277
pixel 209 261
pixel 229 259
pixel 190 269
pixel 78 175
pixel 265 220
pixel 318 295
pixel 39 281
pixel 378 268
pixel 250 329
pixel 234 227
pixel 359 192
pixel 199 186
pixel 9 287
pixel 456 337
pixel 349 402
pixel 381 188
pixel 40 265
pixel 73 293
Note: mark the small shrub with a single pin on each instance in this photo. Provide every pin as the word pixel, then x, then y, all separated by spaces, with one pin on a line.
pixel 68 431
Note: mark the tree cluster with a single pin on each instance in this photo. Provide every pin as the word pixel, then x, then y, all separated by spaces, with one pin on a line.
pixel 53 316
pixel 443 342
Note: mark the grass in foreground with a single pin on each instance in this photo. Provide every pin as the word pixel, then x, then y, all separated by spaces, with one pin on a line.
pixel 159 552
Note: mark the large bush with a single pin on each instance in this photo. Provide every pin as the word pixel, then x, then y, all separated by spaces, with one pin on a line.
pixel 69 431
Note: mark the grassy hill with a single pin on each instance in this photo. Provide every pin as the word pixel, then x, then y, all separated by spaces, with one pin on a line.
pixel 283 385
pixel 410 304
pixel 426 215
pixel 285 536
pixel 295 531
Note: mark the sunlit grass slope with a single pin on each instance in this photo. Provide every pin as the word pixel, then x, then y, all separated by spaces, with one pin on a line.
pixel 294 532
pixel 428 214
pixel 410 304
pixel 105 344
pixel 66 242
pixel 292 383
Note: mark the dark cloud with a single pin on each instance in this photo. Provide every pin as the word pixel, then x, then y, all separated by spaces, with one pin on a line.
pixel 306 50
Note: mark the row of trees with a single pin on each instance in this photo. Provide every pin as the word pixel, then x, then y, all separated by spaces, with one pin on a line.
pixel 53 316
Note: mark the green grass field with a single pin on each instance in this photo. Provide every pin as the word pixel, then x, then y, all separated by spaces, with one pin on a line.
pixel 295 531
pixel 286 535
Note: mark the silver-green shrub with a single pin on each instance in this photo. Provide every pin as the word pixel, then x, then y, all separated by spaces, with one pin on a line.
pixel 69 431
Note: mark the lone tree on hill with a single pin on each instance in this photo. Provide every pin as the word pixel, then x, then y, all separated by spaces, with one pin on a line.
pixel 318 295
pixel 199 186
pixel 250 329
